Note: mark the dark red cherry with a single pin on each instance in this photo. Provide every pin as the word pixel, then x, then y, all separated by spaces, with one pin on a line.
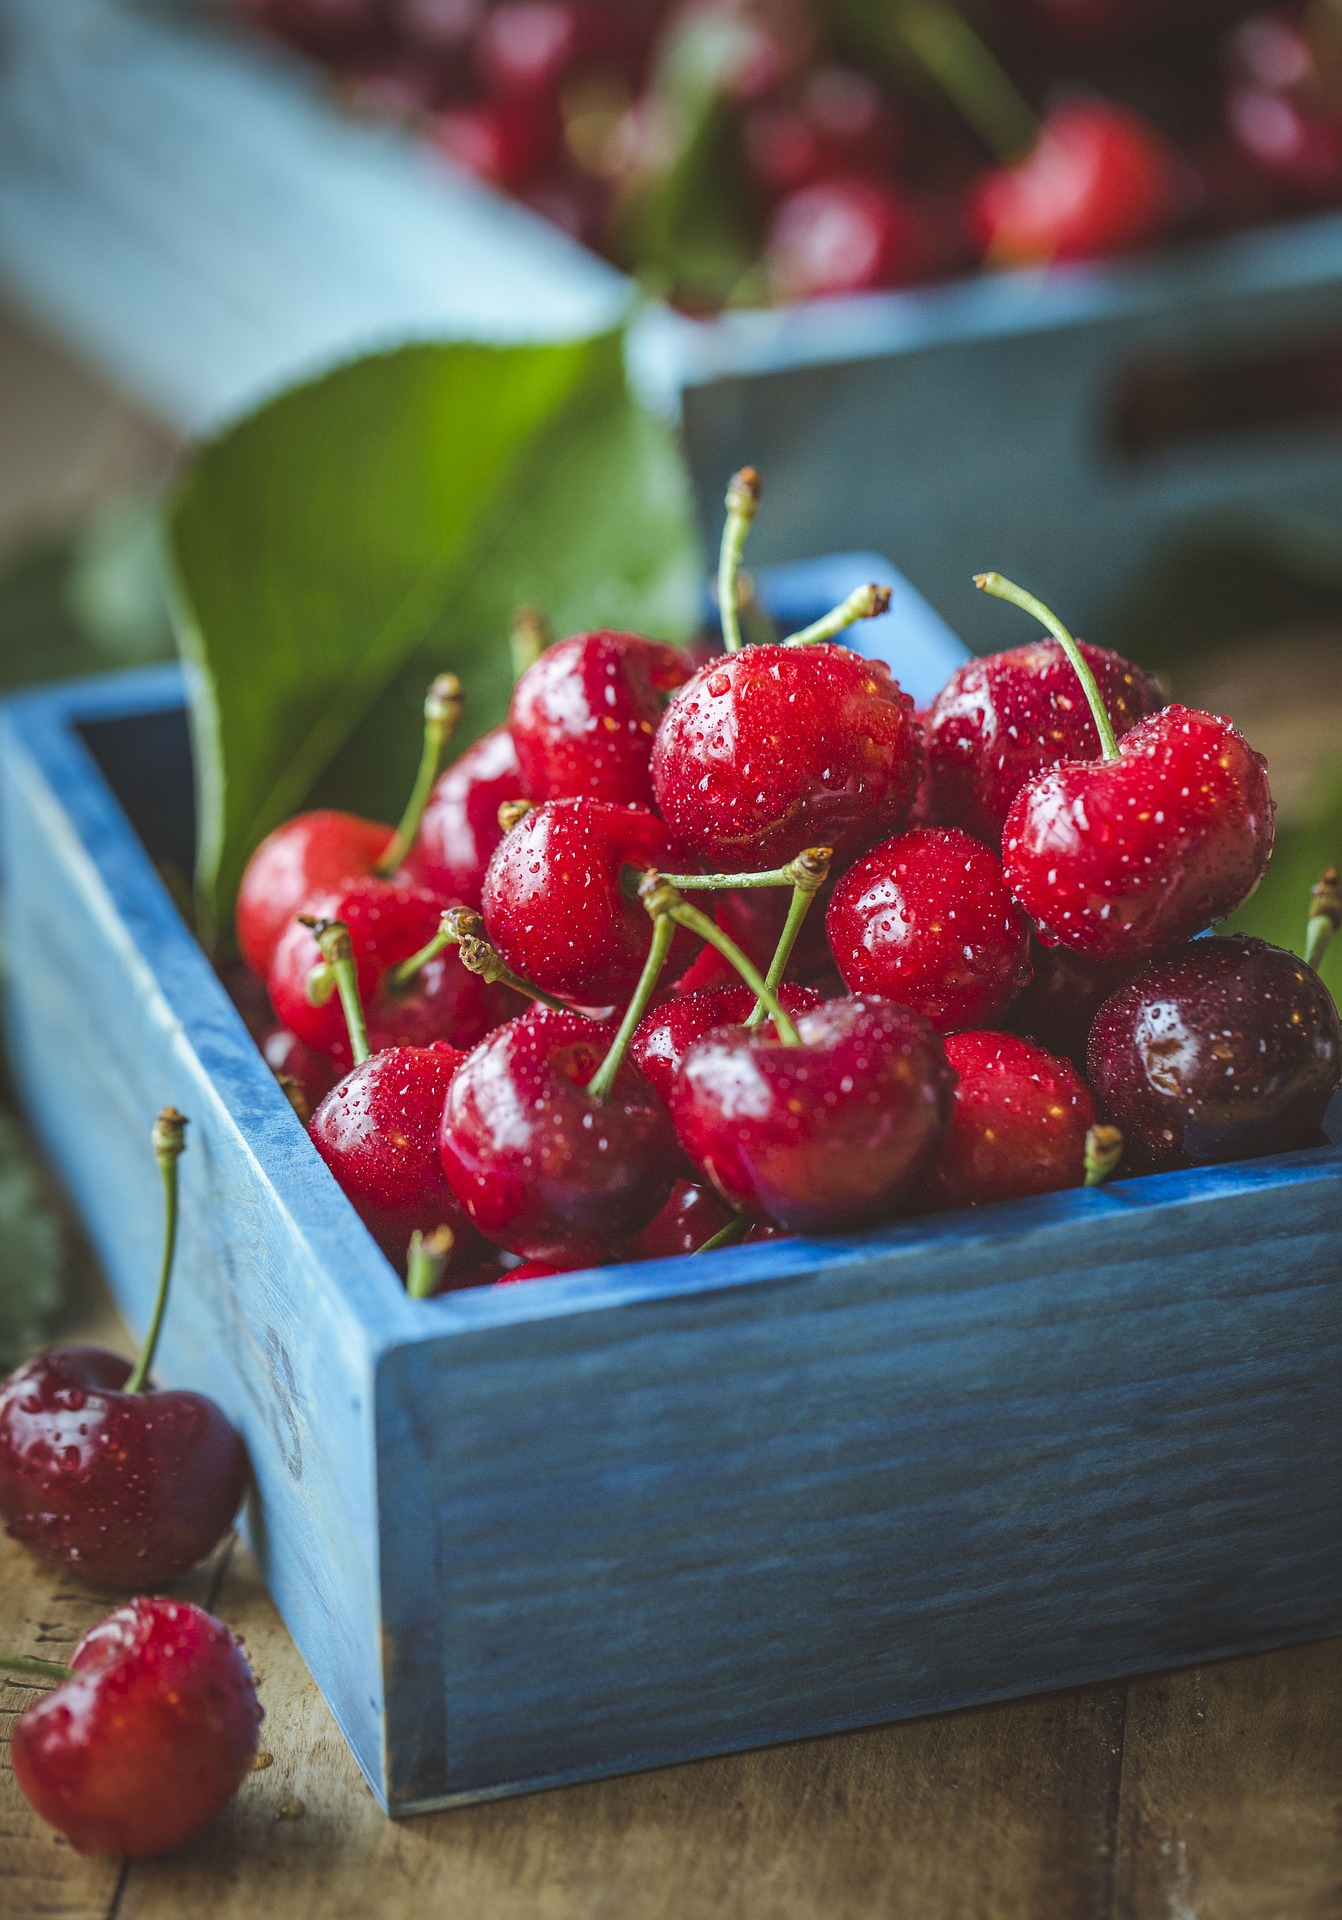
pixel 667 1031
pixel 824 1137
pixel 543 1269
pixel 754 917
pixel 527 46
pixel 460 828
pixel 1282 112
pixel 1008 717
pixel 556 906
pixel 149 1740
pixel 314 853
pixel 288 1059
pixel 692 1214
pixel 1018 1123
pixel 775 749
pixel 849 234
pixel 1099 180
pixel 124 1489
pixel 1227 1049
pixel 584 715
pixel 508 141
pixel 1062 1000
pixel 541 1167
pixel 925 919
pixel 1122 859
pixel 840 123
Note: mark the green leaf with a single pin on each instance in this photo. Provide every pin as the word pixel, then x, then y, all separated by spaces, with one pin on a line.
pixel 335 550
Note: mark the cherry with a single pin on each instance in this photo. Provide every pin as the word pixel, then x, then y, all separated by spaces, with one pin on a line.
pixel 926 920
pixel 1099 180
pixel 1004 719
pixel 1018 1123
pixel 297 1066
pixel 1225 1050
pixel 509 141
pixel 584 715
pixel 555 904
pixel 692 1215
pixel 665 1034
pixel 150 1735
pixel 542 1166
pixel 841 123
pixel 755 918
pixel 125 1485
pixel 845 235
pixel 527 46
pixel 460 827
pixel 1282 111
pixel 1059 1005
pixel 826 1135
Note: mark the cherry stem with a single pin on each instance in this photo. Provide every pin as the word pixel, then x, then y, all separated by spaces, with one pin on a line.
pixel 663 933
pixel 1104 1150
pixel 456 925
pixel 1325 917
pixel 169 1137
pixel 528 638
pixel 863 603
pixel 442 716
pixel 427 1261
pixel 726 1236
pixel 339 971
pixel 729 882
pixel 29 1663
pixel 809 870
pixel 660 897
pixel 1001 589
pixel 943 41
pixel 743 500
pixel 513 812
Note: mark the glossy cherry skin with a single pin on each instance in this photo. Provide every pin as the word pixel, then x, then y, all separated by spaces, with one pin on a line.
pixel 1005 719
pixel 541 1167
pixel 460 828
pixel 124 1489
pixel 775 749
pixel 1062 1000
pixel 150 1740
pixel 1225 1050
pixel 667 1031
pixel 692 1214
pixel 848 234
pixel 1098 181
pixel 314 853
pixel 556 906
pixel 584 715
pixel 825 1137
pixel 1122 859
pixel 754 917
pixel 925 919
pixel 287 1057
pixel 1018 1123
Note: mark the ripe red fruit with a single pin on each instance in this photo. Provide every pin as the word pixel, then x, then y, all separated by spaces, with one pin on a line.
pixel 1281 110
pixel 754 918
pixel 311 854
pixel 1122 859
pixel 1227 1049
pixel 460 826
pixel 845 235
pixel 149 1740
pixel 1018 1123
pixel 508 141
pixel 840 123
pixel 1005 719
pixel 289 1059
pixel 775 749
pixel 925 919
pixel 555 905
pixel 824 1137
pixel 692 1214
pixel 667 1031
pixel 526 46
pixel 541 1167
pixel 584 715
pixel 1063 998
pixel 124 1489
pixel 1099 180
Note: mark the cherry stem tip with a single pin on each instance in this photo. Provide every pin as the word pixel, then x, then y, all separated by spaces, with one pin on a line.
pixel 528 638
pixel 1325 917
pixel 41 1669
pixel 726 1236
pixel 168 1136
pixel 442 717
pixel 863 603
pixel 427 1261
pixel 1104 1150
pixel 332 937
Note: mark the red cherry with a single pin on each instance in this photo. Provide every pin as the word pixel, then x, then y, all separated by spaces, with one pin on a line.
pixel 841 122
pixel 149 1740
pixel 826 1136
pixel 583 716
pixel 1018 1124
pixel 311 854
pixel 555 906
pixel 1063 998
pixel 775 749
pixel 1004 719
pixel 1122 859
pixel 542 1269
pixel 1227 1049
pixel 541 1167
pixel 754 918
pixel 508 142
pixel 1099 180
pixel 124 1489
pixel 288 1059
pixel 667 1032
pixel 527 46
pixel 925 919
pixel 846 235
pixel 692 1214
pixel 460 828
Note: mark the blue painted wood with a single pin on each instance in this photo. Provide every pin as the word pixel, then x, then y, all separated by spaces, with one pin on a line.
pixel 614 1519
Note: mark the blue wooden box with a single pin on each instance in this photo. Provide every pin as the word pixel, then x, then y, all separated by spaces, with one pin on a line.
pixel 602 1522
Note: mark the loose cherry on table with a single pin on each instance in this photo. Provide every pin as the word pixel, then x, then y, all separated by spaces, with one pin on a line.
pixel 583 716
pixel 149 1735
pixel 123 1484
pixel 925 919
pixel 1019 1123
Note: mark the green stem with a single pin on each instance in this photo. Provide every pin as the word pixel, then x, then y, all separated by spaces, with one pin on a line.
pixel 1325 917
pixel 528 638
pixel 743 499
pixel 726 1236
pixel 169 1137
pixel 970 75
pixel 333 938
pixel 477 956
pixel 810 870
pixel 863 603
pixel 1001 589
pixel 663 933
pixel 442 716
pixel 29 1663
pixel 660 897
pixel 427 1261
pixel 456 925
pixel 729 882
pixel 1104 1150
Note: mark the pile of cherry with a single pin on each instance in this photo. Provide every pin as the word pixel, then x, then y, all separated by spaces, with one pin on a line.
pixel 837 146
pixel 684 954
